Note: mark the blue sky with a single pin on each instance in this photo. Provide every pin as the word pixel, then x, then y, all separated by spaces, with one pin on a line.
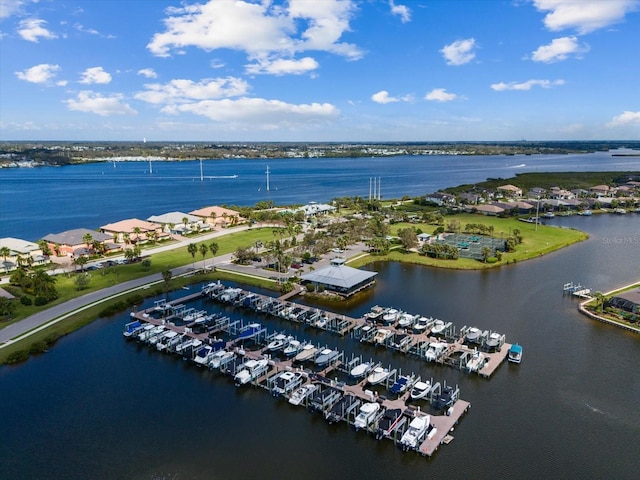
pixel 319 70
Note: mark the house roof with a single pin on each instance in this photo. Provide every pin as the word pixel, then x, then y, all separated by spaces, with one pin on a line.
pixel 219 211
pixel 489 208
pixel 338 275
pixel 18 245
pixel 129 225
pixel 632 296
pixel 511 188
pixel 174 217
pixel 75 237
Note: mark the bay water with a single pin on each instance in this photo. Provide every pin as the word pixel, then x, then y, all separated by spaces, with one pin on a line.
pixel 98 407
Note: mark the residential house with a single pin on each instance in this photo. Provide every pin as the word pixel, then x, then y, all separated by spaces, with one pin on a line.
pixel 72 242
pixel 440 198
pixel 20 251
pixel 179 222
pixel 510 191
pixel 603 190
pixel 133 230
pixel 561 194
pixel 219 216
pixel 492 210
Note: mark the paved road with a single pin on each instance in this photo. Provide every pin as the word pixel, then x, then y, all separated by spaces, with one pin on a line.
pixel 17 329
pixel 41 320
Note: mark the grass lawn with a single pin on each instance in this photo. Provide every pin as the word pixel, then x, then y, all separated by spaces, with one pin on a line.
pixel 160 262
pixel 534 243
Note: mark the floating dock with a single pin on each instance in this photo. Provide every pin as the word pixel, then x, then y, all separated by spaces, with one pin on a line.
pixel 336 401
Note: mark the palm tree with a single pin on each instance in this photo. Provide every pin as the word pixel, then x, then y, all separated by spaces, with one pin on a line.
pixel 599 297
pixel 213 248
pixel 192 248
pixel 203 250
pixel 213 216
pixel 185 220
pixel 87 238
pixel 5 252
pixel 137 231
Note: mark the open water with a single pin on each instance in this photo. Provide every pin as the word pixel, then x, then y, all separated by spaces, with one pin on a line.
pixel 98 407
pixel 37 201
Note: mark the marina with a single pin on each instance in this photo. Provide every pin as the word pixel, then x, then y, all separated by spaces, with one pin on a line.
pixel 324 379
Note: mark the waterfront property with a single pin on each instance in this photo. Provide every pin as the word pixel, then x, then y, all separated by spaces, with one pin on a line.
pixel 179 222
pixel 133 230
pixel 626 301
pixel 18 251
pixel 218 216
pixel 73 243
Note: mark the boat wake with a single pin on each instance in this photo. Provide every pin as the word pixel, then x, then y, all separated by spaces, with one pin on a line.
pixel 518 166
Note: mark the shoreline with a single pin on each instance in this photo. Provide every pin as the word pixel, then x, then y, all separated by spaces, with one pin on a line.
pixel 582 308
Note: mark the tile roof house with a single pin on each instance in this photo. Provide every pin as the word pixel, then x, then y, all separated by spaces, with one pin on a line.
pixel 488 209
pixel 134 229
pixel 510 190
pixel 219 216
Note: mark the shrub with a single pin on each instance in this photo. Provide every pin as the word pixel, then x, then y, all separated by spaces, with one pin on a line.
pixel 40 301
pixel 26 301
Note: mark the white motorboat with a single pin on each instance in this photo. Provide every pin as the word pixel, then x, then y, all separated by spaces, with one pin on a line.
pixel 307 353
pixel 299 395
pixel 292 348
pixel 221 358
pixel 438 327
pixel 420 390
pixel 326 356
pixel 322 322
pixel 476 361
pixel 152 340
pixel 378 375
pixel 132 329
pixel 146 332
pixel 381 336
pixel 435 350
pixel 203 355
pixel 390 316
pixel 421 324
pixel 166 340
pixel 278 342
pixel 415 433
pixel 251 370
pixel 366 414
pixel 406 320
pixel 360 370
pixel 473 335
pixel 286 382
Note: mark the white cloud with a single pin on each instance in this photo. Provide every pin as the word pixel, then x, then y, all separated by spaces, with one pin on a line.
pixel 91 102
pixel 12 7
pixel 459 52
pixel 440 95
pixel 184 91
pixel 401 10
pixel 258 112
pixel 33 29
pixel 95 75
pixel 559 49
pixel 283 66
pixel 383 97
pixel 625 118
pixel 148 73
pixel 39 73
pixel 264 31
pixel 585 15
pixel 501 87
